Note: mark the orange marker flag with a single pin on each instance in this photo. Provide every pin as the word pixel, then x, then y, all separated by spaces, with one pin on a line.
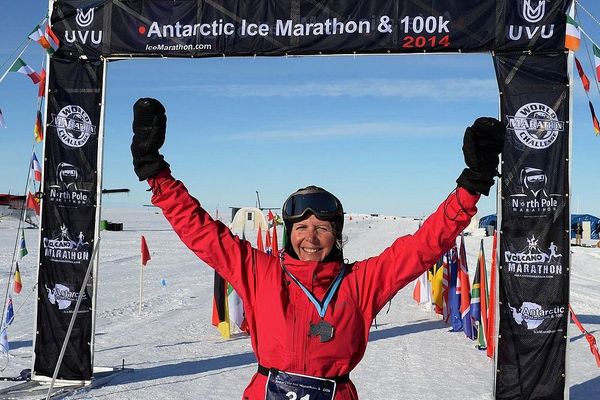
pixel 259 240
pixel 274 240
pixel 145 252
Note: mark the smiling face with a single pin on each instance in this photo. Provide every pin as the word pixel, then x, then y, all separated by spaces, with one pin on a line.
pixel 312 239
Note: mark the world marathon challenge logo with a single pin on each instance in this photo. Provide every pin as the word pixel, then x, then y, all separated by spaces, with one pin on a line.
pixel 532 315
pixel 66 250
pixel 62 296
pixel 535 125
pixel 73 126
pixel 68 191
pixel 533 262
pixel 530 196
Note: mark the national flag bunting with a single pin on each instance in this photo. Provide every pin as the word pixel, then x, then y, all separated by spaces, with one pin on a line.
pixel 584 79
pixel 465 291
pixel 33 202
pixel 52 38
pixel 38 131
pixel 422 290
pixel 10 311
pixel 220 313
pixel 36 168
pixel 597 61
pixel 454 295
pixel 437 287
pixel 42 84
pixel 145 253
pixel 17 284
pixel 2 123
pixel 22 246
pixel 21 67
pixel 594 119
pixel 572 35
pixel 445 285
pixel 268 248
pixel 479 300
pixel 37 35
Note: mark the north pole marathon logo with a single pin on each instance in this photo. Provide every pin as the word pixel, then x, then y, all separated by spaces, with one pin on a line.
pixel 68 191
pixel 531 198
pixel 534 262
pixel 73 126
pixel 532 315
pixel 64 249
pixel 61 296
pixel 535 125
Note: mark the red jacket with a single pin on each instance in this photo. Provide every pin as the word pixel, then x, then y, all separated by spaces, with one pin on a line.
pixel 279 313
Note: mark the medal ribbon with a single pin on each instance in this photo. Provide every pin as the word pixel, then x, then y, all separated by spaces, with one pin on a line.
pixel 321 306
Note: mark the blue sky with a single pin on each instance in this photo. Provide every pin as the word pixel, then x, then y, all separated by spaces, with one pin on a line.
pixel 384 133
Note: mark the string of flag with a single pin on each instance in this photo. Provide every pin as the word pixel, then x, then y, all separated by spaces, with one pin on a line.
pixel 572 43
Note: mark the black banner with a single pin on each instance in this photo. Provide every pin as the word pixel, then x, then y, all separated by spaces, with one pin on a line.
pixel 68 217
pixel 199 28
pixel 534 242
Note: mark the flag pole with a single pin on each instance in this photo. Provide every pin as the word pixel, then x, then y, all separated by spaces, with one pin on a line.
pixel 141 285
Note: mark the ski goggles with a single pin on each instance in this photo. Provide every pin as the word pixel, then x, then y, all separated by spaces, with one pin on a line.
pixel 320 202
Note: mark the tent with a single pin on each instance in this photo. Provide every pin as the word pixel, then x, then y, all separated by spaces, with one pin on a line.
pixel 248 218
pixel 590 224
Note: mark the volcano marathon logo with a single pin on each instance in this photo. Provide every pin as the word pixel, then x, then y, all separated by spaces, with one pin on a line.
pixel 62 296
pixel 532 11
pixel 535 125
pixel 73 126
pixel 84 19
pixel 533 262
pixel 532 315
pixel 67 190
pixel 64 249
pixel 531 198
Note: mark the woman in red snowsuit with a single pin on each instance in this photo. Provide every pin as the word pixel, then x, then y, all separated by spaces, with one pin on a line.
pixel 309 312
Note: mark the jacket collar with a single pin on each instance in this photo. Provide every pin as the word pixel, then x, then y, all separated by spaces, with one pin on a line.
pixel 312 273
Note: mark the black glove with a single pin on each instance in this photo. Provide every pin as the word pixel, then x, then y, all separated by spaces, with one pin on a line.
pixel 149 128
pixel 482 144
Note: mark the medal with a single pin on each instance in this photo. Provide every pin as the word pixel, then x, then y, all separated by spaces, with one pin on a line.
pixel 323 330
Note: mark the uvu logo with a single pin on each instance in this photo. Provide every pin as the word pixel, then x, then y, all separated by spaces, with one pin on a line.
pixel 532 11
pixel 84 19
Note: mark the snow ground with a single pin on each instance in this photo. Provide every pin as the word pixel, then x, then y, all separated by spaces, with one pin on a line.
pixel 175 352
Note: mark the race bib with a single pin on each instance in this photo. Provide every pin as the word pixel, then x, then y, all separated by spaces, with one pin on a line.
pixel 288 386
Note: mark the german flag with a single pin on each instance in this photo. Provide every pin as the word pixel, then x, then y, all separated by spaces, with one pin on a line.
pixel 594 119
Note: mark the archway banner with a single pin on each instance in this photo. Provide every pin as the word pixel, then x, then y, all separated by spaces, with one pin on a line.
pixel 534 249
pixel 527 39
pixel 200 28
pixel 68 219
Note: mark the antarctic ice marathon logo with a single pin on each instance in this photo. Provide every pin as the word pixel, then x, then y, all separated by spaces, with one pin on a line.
pixel 535 125
pixel 532 315
pixel 64 249
pixel 530 197
pixel 533 262
pixel 73 125
pixel 84 19
pixel 62 296
pixel 68 191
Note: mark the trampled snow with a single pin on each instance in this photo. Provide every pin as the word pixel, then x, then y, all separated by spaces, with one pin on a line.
pixel 175 353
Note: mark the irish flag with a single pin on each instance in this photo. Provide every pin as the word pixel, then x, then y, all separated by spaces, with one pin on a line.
pixel 572 36
pixel 597 61
pixel 47 39
pixel 22 68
